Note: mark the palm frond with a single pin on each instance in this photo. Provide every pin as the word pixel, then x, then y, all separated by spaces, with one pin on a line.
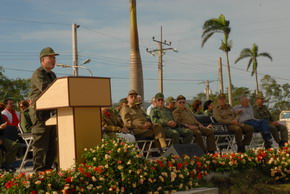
pixel 265 54
pixel 249 63
pixel 206 38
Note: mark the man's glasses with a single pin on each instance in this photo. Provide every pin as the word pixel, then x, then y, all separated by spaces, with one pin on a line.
pixel 160 99
pixel 181 102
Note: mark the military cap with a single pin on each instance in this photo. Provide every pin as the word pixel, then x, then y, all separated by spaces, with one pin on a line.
pixel 260 96
pixel 123 100
pixel 180 97
pixel 221 95
pixel 170 99
pixel 47 52
pixel 159 96
pixel 132 92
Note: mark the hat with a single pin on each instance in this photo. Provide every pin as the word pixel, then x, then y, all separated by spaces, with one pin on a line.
pixel 221 95
pixel 123 100
pixel 170 99
pixel 180 97
pixel 260 96
pixel 47 52
pixel 159 96
pixel 132 92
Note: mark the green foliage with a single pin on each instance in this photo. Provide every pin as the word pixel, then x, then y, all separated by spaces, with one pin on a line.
pixel 16 89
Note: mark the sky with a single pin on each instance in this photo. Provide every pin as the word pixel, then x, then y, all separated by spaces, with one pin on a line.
pixel 27 26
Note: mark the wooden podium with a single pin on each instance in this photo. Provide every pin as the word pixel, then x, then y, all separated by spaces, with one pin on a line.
pixel 78 101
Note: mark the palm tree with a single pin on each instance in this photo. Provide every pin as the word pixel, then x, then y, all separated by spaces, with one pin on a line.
pixel 220 25
pixel 136 72
pixel 253 55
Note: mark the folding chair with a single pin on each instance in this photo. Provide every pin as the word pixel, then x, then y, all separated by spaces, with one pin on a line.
pixel 28 139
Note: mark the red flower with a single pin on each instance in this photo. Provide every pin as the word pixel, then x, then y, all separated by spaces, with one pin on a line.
pixel 179 165
pixel 152 168
pixel 198 164
pixel 170 164
pixel 119 161
pixel 122 143
pixel 87 175
pixel 99 169
pixel 81 170
pixel 33 192
pixel 8 184
pixel 68 179
pixel 199 176
pixel 160 163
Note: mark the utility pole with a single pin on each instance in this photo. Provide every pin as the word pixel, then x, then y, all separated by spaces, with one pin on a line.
pixel 75 49
pixel 207 90
pixel 220 76
pixel 161 52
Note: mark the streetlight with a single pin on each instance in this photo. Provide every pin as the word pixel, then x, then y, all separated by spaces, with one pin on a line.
pixel 77 66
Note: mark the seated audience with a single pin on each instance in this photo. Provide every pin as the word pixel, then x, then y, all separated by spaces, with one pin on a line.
pixel 262 112
pixel 10 115
pixel 184 116
pixel 164 117
pixel 170 103
pixel 137 121
pixel 208 108
pixel 152 105
pixel 225 114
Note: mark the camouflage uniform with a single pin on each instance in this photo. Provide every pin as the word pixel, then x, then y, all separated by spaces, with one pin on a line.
pixel 163 116
pixel 264 113
pixel 185 117
pixel 227 114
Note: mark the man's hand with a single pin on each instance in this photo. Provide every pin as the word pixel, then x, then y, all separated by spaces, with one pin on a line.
pixel 147 125
pixel 234 122
pixel 171 123
pixel 3 126
pixel 192 127
pixel 275 123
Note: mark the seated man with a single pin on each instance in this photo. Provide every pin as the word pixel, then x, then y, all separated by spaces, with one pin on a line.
pixel 262 112
pixel 170 103
pixel 9 147
pixel 135 119
pixel 113 127
pixel 9 114
pixel 25 121
pixel 224 113
pixel 164 117
pixel 247 116
pixel 183 116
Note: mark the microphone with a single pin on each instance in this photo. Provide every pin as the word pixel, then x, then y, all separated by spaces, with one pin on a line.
pixel 63 65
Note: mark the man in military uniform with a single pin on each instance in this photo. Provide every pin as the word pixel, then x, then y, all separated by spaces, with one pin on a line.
pixel 113 127
pixel 170 103
pixel 164 117
pixel 44 137
pixel 225 114
pixel 184 116
pixel 135 119
pixel 262 112
pixel 11 148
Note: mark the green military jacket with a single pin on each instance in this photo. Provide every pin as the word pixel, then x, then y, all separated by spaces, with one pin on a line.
pixel 262 113
pixel 111 124
pixel 224 114
pixel 161 115
pixel 184 117
pixel 40 80
pixel 208 113
pixel 133 116
pixel 25 121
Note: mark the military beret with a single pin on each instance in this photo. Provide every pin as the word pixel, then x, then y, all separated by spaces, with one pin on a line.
pixel 132 92
pixel 159 96
pixel 180 97
pixel 221 95
pixel 47 52
pixel 170 99
pixel 123 100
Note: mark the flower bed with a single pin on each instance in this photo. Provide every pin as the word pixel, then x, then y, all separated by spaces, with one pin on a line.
pixel 117 167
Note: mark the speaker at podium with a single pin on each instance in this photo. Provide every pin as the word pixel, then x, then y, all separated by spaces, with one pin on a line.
pixel 187 149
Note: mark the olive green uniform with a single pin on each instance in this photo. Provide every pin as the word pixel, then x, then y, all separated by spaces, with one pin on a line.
pixel 25 121
pixel 134 118
pixel 227 114
pixel 264 113
pixel 11 148
pixel 111 124
pixel 44 137
pixel 185 117
pixel 163 116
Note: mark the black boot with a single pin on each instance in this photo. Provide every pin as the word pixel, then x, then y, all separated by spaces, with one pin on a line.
pixel 267 139
pixel 241 149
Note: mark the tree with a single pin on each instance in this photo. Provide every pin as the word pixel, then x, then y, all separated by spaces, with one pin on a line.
pixel 253 54
pixel 16 89
pixel 136 72
pixel 220 25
